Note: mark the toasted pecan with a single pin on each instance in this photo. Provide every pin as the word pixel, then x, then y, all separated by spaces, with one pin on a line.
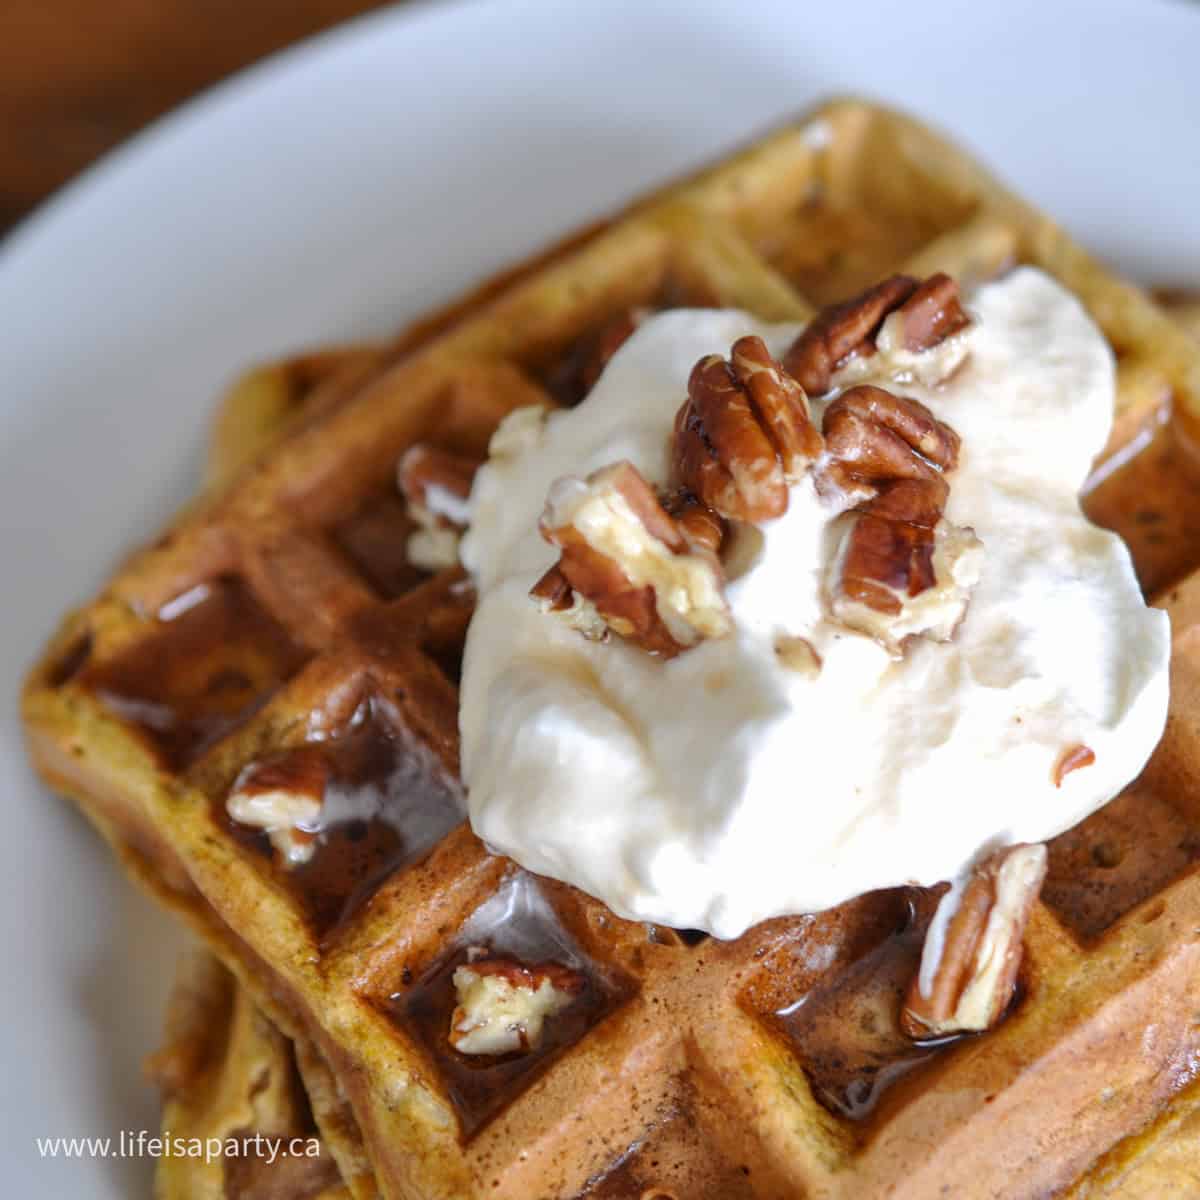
pixel 503 1004
pixel 973 949
pixel 283 796
pixel 436 486
pixel 932 313
pixel 843 330
pixel 744 433
pixel 906 317
pixel 630 566
pixel 901 568
pixel 431 479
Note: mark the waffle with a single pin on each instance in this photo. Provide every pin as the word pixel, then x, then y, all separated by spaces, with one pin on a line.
pixel 228 1074
pixel 279 608
pixel 1183 306
pixel 209 1083
pixel 225 1070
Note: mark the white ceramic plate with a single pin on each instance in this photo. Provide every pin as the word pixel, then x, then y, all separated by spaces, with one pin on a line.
pixel 346 186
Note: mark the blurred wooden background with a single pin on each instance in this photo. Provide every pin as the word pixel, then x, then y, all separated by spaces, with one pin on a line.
pixel 79 76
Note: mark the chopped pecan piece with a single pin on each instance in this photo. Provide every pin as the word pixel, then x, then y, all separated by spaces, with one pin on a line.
pixel 900 569
pixel 650 577
pixel 973 948
pixel 283 796
pixel 553 594
pixel 503 1006
pixel 908 326
pixel 1073 758
pixel 436 484
pixel 895 580
pixel 702 528
pixel 744 433
pixel 798 654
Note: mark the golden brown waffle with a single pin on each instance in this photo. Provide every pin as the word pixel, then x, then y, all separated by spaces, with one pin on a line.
pixel 280 609
pixel 225 1070
pixel 227 1075
pixel 1183 306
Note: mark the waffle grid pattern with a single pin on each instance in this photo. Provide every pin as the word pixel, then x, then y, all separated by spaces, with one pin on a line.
pixel 270 614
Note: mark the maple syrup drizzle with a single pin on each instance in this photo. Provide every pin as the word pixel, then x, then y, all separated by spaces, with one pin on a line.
pixel 213 658
pixel 386 802
pixel 516 922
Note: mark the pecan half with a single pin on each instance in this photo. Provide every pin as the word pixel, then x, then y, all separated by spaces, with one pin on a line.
pixel 918 341
pixel 436 485
pixel 876 438
pixel 648 576
pixel 843 330
pixel 503 1006
pixel 899 569
pixel 744 433
pixel 903 319
pixel 973 948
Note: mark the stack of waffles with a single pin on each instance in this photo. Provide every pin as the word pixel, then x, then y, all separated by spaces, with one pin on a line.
pixel 279 622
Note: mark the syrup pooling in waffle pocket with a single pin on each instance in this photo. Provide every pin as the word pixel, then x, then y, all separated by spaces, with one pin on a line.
pixel 216 658
pixel 515 928
pixel 345 809
pixel 847 1030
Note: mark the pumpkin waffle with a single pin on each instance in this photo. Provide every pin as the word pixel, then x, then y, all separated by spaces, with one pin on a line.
pixel 227 1074
pixel 278 618
pixel 1184 306
pixel 220 1048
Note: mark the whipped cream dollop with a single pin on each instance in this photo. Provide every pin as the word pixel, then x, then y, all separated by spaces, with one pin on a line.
pixel 726 786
